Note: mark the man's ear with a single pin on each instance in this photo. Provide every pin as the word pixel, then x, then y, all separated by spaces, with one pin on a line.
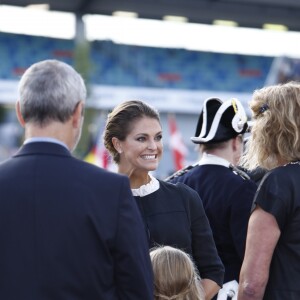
pixel 237 142
pixel 233 143
pixel 19 114
pixel 78 115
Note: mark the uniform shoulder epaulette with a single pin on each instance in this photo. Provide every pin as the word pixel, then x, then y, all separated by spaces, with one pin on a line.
pixel 181 172
pixel 239 172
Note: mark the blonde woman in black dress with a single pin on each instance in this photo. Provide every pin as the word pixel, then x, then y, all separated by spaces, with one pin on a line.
pixel 270 270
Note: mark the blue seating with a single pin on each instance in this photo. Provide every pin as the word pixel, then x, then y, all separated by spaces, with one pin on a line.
pixel 136 66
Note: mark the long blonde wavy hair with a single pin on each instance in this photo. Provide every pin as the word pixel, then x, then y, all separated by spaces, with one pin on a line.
pixel 275 135
pixel 175 275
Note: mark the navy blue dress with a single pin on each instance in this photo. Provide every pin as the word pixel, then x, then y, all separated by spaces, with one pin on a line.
pixel 174 216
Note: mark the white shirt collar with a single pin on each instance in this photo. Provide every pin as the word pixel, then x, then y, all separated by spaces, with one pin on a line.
pixel 45 139
pixel 210 159
pixel 146 189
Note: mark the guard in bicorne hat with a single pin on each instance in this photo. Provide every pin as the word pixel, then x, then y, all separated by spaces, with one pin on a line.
pixel 227 193
pixel 219 122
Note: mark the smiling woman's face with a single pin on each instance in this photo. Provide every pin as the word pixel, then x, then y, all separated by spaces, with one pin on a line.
pixel 142 148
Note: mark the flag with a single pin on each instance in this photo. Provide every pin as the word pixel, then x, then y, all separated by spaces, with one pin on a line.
pixel 98 154
pixel 177 146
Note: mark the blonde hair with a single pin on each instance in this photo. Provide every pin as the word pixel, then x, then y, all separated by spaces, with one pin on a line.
pixel 275 136
pixel 175 275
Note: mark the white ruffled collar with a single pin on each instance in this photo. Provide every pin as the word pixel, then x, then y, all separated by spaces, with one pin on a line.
pixel 146 189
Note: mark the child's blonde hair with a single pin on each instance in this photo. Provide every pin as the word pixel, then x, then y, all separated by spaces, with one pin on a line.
pixel 175 275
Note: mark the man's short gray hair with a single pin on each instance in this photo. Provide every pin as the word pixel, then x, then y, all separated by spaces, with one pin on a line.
pixel 49 91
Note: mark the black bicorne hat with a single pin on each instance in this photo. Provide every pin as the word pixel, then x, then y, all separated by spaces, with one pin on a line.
pixel 220 121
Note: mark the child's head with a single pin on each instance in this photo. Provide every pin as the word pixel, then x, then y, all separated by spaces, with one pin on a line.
pixel 175 276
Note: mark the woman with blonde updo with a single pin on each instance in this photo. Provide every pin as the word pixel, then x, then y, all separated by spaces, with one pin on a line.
pixel 175 275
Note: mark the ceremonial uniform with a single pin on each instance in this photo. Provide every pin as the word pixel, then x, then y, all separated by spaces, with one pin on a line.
pixel 227 192
pixel 227 198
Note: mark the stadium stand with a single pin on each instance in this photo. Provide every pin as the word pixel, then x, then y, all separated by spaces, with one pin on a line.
pixel 17 52
pixel 136 66
pixel 173 80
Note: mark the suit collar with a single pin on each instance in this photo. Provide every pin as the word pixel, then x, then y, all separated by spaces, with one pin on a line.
pixel 43 148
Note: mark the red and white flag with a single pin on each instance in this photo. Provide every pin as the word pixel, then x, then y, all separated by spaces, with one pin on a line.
pixel 102 156
pixel 98 154
pixel 177 146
